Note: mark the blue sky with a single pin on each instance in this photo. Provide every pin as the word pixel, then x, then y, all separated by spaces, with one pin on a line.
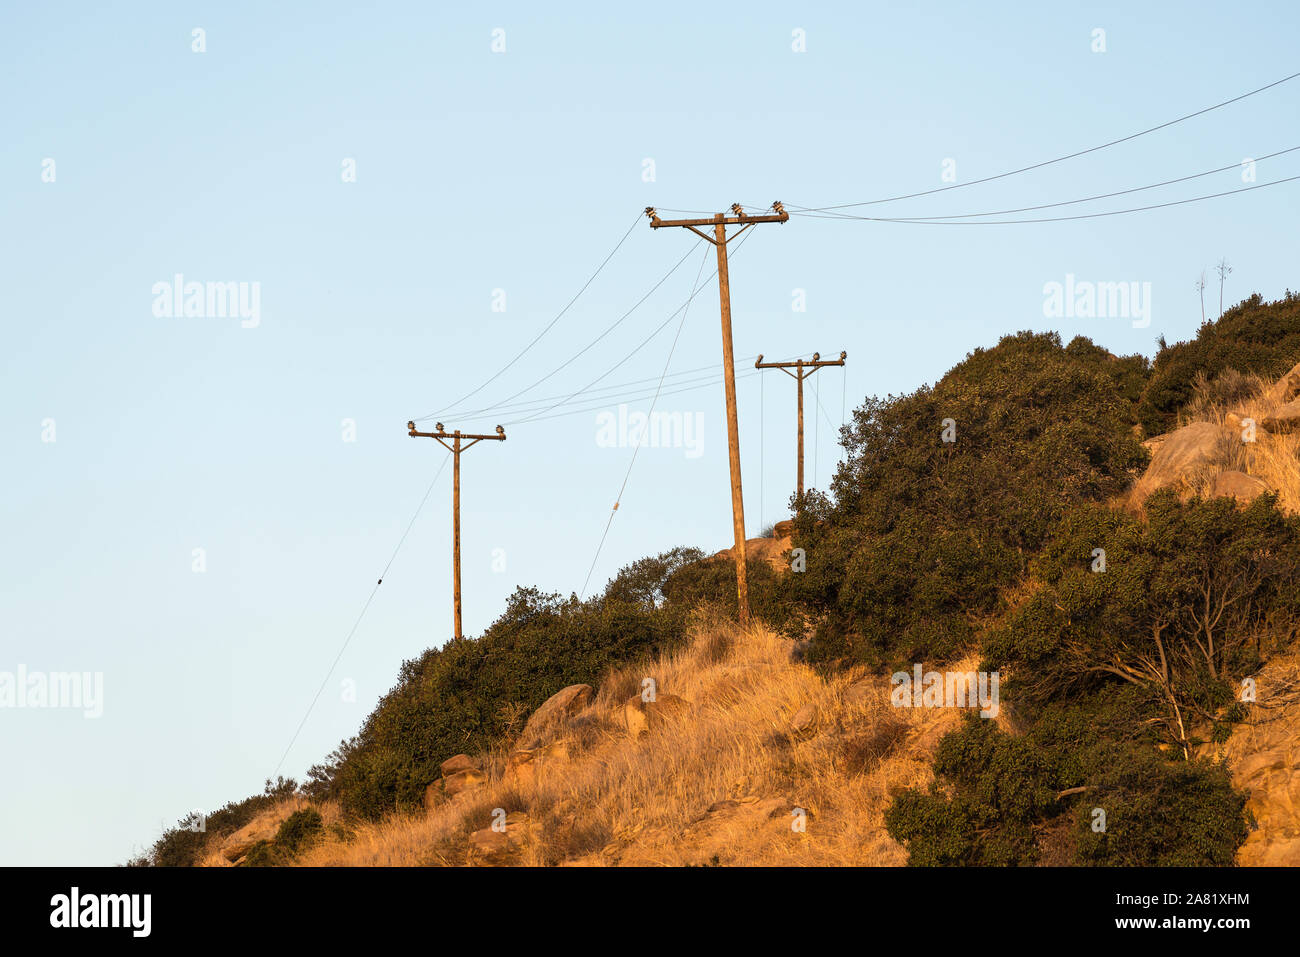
pixel 518 171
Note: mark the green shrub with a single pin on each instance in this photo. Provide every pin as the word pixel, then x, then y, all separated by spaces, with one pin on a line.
pixel 1162 814
pixel 298 830
pixel 1007 791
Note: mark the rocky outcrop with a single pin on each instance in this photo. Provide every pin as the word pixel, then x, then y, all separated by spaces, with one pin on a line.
pixel 499 843
pixel 1264 757
pixel 555 711
pixel 459 775
pixel 529 766
pixel 241 842
pixel 1181 458
pixel 468 780
pixel 1286 388
pixel 1238 485
pixel 771 550
pixel 461 762
pixel 1284 420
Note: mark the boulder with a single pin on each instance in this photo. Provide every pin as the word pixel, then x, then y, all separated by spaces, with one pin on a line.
pixel 556 710
pixel 1238 485
pixel 643 716
pixel 783 529
pixel 461 762
pixel 1286 388
pixel 804 722
pixel 494 845
pixel 238 844
pixel 462 781
pixel 1180 455
pixel 1285 420
pixel 525 766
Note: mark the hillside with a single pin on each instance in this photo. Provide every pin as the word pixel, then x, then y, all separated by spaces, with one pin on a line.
pixel 1114 540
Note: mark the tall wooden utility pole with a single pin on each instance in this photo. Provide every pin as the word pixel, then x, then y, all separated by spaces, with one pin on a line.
pixel 799 375
pixel 720 222
pixel 442 435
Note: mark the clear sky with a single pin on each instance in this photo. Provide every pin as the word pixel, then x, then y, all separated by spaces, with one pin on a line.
pixel 485 178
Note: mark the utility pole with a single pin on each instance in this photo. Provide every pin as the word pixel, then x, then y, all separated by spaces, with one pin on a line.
pixel 719 239
pixel 799 375
pixel 455 448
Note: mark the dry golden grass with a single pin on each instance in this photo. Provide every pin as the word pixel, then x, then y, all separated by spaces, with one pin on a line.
pixel 615 800
pixel 1229 399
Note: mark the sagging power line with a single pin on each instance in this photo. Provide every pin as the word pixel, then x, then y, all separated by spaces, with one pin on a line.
pixel 1050 162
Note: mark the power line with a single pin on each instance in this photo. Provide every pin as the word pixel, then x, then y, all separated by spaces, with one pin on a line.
pixel 549 325
pixel 1057 219
pixel 1059 159
pixel 357 623
pixel 593 342
pixel 1072 202
pixel 643 343
pixel 677 388
pixel 537 403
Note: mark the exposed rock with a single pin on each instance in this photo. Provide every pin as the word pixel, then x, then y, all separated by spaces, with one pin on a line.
pixel 238 844
pixel 770 550
pixel 556 710
pixel 1153 444
pixel 495 845
pixel 1285 420
pixel 462 781
pixel 1287 387
pixel 1263 755
pixel 645 716
pixel 526 766
pixel 783 529
pixel 804 722
pixel 1238 485
pixel 461 762
pixel 1180 456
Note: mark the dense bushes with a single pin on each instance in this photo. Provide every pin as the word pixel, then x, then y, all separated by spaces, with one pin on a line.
pixel 1251 337
pixel 923 534
pixel 1190 597
pixel 1122 803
